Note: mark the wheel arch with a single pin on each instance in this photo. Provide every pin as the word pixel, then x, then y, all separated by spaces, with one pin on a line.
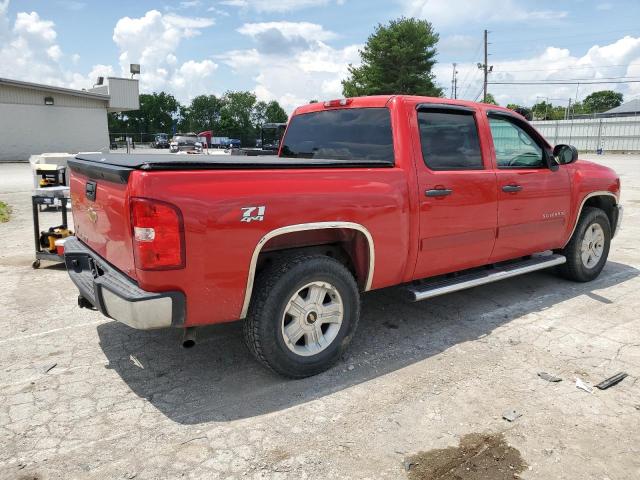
pixel 604 200
pixel 282 232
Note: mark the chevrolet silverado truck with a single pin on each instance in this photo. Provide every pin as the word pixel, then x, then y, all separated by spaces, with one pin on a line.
pixel 427 194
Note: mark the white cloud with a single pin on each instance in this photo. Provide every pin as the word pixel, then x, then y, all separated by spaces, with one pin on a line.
pixel 285 37
pixel 457 44
pixel 618 59
pixel 151 41
pixel 443 13
pixel 310 31
pixel 278 6
pixel 29 51
pixel 293 76
pixel 30 25
pixel 28 48
pixel 54 52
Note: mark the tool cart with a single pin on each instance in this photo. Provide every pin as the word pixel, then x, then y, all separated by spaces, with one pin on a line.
pixel 49 243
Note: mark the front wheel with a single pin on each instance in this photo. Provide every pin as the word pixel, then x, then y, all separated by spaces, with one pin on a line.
pixel 588 249
pixel 303 314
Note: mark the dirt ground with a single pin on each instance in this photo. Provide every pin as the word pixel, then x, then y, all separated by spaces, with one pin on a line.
pixel 83 397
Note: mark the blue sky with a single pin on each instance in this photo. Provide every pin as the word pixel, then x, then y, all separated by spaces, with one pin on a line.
pixel 293 51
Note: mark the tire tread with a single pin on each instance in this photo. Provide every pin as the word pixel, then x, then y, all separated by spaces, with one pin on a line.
pixel 262 301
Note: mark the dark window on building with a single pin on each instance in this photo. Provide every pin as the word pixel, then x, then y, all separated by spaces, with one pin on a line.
pixel 449 140
pixel 345 134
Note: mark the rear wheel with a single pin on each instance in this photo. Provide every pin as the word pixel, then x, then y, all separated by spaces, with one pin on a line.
pixel 588 249
pixel 303 314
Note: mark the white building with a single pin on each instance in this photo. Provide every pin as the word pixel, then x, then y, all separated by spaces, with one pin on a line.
pixel 38 118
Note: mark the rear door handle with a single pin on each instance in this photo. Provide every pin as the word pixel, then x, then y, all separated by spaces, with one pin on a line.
pixel 511 188
pixel 438 192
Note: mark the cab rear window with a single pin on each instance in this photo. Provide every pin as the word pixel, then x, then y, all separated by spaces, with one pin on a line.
pixel 356 134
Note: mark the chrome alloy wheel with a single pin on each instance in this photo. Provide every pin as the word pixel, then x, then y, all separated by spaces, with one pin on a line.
pixel 312 318
pixel 592 245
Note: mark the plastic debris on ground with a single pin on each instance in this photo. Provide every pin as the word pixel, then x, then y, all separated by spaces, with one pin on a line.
pixel 611 381
pixel 511 415
pixel 583 386
pixel 549 377
pixel 135 361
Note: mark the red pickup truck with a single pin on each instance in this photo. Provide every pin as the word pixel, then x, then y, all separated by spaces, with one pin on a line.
pixel 431 194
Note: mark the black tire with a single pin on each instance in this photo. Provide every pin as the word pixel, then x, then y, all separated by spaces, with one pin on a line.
pixel 273 289
pixel 575 269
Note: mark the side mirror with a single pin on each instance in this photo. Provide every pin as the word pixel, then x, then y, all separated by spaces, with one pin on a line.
pixel 565 154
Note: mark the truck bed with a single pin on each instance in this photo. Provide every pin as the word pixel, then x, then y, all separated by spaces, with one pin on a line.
pixel 119 165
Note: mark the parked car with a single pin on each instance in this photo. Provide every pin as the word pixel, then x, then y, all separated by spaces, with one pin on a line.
pixel 160 140
pixel 189 143
pixel 430 194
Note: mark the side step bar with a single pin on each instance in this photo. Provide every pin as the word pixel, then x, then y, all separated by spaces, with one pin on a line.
pixel 475 278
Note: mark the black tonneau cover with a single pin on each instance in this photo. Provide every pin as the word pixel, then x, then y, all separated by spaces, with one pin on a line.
pixel 117 166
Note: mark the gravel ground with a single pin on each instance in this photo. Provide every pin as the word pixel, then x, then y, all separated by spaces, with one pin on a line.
pixel 85 397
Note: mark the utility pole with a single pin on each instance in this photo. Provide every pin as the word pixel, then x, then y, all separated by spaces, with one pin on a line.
pixel 487 69
pixel 455 85
pixel 486 62
pixel 454 82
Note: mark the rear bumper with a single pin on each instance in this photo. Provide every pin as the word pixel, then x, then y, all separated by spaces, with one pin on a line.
pixel 116 295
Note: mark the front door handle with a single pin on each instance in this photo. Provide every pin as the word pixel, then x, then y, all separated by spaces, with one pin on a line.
pixel 511 188
pixel 438 192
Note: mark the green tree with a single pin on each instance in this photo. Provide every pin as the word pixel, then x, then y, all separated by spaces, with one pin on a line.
pixel 547 111
pixel 491 99
pixel 275 113
pixel 203 113
pixel 397 58
pixel 157 113
pixel 601 101
pixel 524 111
pixel 237 116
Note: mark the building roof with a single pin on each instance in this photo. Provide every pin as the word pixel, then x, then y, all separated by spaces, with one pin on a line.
pixel 52 89
pixel 630 107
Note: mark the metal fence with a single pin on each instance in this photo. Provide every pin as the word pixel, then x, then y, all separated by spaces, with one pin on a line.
pixel 620 134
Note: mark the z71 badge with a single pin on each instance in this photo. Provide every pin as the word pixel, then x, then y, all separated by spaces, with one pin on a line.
pixel 250 214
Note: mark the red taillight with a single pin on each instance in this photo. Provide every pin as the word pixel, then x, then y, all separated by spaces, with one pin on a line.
pixel 158 235
pixel 338 103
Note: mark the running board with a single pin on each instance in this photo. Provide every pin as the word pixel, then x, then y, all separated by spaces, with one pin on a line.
pixel 473 279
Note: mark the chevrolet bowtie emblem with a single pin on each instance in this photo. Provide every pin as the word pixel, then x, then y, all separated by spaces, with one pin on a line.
pixel 92 214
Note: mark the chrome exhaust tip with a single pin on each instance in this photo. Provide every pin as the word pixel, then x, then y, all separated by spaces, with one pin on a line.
pixel 189 337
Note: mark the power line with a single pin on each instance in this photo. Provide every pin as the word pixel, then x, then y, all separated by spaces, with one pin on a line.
pixel 471 83
pixel 555 37
pixel 573 82
pixel 475 55
pixel 570 68
pixel 577 79
pixel 478 95
pixel 528 50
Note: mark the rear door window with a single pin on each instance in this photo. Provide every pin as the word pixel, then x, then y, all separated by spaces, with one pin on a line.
pixel 449 140
pixel 357 134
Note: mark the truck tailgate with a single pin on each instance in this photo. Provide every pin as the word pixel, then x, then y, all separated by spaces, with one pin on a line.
pixel 100 204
